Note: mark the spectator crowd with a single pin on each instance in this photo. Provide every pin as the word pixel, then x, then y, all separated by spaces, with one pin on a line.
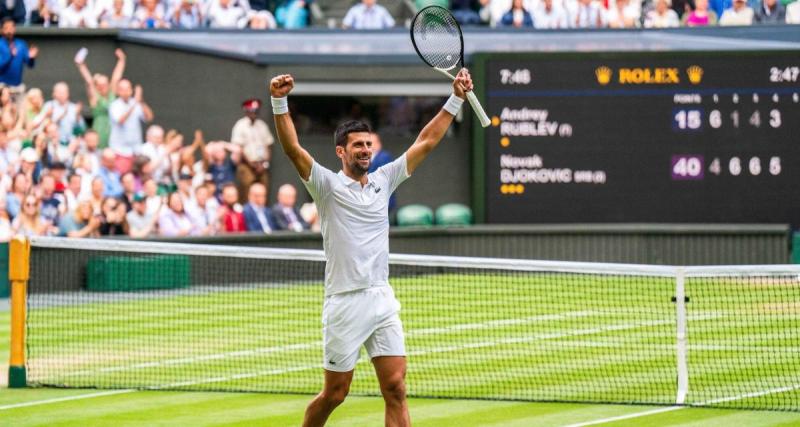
pixel 119 173
pixel 369 15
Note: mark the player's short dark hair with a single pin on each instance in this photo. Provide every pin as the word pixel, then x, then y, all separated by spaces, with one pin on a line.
pixel 346 128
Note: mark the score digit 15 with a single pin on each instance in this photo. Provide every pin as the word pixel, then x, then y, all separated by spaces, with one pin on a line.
pixel 690 120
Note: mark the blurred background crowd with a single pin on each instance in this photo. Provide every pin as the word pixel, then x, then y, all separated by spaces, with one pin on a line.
pixel 369 15
pixel 116 171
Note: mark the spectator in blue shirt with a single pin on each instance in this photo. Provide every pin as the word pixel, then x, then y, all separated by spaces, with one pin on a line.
pixel 14 54
pixel 14 10
pixel 112 187
pixel 517 17
pixel 221 167
pixel 368 15
pixel 292 14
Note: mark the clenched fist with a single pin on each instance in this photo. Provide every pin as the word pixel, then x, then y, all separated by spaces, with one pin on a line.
pixel 280 86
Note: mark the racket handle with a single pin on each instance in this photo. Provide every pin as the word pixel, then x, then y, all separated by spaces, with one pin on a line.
pixel 478 109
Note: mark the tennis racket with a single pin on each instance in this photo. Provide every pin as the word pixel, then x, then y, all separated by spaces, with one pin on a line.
pixel 438 41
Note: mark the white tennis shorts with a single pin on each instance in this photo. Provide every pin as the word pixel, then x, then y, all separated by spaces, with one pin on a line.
pixel 367 317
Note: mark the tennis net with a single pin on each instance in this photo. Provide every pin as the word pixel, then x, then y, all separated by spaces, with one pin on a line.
pixel 144 315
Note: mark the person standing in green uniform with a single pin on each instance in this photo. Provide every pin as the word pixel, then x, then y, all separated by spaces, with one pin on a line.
pixel 101 92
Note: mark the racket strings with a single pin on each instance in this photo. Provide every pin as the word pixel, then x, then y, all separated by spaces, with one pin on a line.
pixel 437 38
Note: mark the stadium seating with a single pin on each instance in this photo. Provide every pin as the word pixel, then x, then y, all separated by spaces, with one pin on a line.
pixel 415 215
pixel 453 214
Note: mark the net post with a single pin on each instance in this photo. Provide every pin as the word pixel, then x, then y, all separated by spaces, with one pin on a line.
pixel 18 273
pixel 681 343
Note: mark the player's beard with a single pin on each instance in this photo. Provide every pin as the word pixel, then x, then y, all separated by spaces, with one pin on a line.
pixel 357 167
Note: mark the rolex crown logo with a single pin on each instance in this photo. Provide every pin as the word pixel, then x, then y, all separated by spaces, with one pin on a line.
pixel 603 74
pixel 695 74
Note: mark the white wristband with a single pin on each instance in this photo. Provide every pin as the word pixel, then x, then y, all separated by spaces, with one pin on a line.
pixel 279 105
pixel 453 104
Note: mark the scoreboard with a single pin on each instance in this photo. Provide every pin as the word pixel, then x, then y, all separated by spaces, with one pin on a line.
pixel 640 137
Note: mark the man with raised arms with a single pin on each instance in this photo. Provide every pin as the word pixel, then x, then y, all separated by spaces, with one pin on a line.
pixel 360 307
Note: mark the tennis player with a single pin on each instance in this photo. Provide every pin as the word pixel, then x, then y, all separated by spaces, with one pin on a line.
pixel 360 307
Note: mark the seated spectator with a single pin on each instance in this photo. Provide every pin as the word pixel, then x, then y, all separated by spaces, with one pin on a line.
pixel 13 10
pixel 96 195
pixel 73 192
pixel 80 222
pixel 119 15
pixel 662 16
pixel 9 156
pixel 32 108
pixel 159 153
pixel 549 16
pixel 154 200
pixel 110 177
pixel 150 14
pixel 55 150
pixel 720 6
pixel 20 186
pixel 29 222
pixel 77 15
pixel 140 222
pixel 187 15
pixel 52 204
pixel 738 14
pixel 63 112
pixel 770 12
pixel 187 160
pixel 222 167
pixel 205 210
pixel 517 16
pixel 466 11
pixel 292 14
pixel 186 191
pixel 128 182
pixel 623 14
pixel 701 16
pixel 113 217
pixel 58 171
pixel 589 14
pixel 90 149
pixel 30 165
pixel 368 15
pixel 257 215
pixel 226 14
pixel 492 11
pixel 6 233
pixel 262 20
pixel 285 213
pixel 231 217
pixel 793 12
pixel 174 222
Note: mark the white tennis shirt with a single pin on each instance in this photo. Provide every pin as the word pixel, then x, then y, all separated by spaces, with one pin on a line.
pixel 355 224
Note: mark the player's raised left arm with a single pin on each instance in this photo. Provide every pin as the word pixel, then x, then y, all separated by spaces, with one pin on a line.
pixel 433 132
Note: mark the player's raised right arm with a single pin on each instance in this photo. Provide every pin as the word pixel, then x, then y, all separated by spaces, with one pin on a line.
pixel 279 87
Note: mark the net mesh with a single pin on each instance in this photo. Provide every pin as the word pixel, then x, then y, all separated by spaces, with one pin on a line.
pixel 437 37
pixel 180 317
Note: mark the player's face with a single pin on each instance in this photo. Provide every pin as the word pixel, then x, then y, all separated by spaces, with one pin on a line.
pixel 357 154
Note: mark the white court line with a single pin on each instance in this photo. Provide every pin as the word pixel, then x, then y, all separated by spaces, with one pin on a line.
pixel 311 345
pixel 64 399
pixel 675 408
